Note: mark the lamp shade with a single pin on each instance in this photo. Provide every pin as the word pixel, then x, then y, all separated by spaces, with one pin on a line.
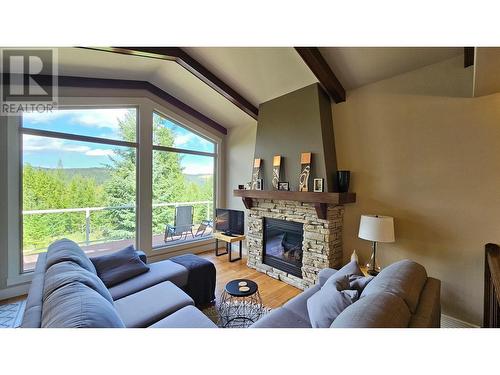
pixel 376 228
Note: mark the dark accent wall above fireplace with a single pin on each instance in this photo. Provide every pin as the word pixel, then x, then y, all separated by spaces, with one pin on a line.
pixel 300 121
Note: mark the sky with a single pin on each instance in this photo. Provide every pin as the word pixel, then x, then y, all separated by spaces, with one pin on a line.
pixel 102 123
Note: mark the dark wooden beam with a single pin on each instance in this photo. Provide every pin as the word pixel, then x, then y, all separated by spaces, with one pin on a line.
pixel 72 81
pixel 248 202
pixel 298 196
pixel 321 210
pixel 468 56
pixel 194 67
pixel 318 65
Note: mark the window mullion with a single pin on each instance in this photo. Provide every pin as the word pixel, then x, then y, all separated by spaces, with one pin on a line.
pixel 145 178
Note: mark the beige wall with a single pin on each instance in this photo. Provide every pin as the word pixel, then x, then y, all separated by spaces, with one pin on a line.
pixel 487 71
pixel 432 161
pixel 240 147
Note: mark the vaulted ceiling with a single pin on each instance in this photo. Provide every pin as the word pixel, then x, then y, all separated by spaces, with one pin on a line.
pixel 258 74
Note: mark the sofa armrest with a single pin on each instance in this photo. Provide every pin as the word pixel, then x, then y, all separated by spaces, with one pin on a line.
pixel 324 275
pixel 142 256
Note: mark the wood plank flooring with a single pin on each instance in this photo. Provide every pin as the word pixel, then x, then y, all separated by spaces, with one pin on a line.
pixel 274 293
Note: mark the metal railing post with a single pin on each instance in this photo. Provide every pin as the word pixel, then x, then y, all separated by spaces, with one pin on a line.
pixel 87 226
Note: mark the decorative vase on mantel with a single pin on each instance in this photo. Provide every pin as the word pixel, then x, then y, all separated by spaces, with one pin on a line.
pixel 343 180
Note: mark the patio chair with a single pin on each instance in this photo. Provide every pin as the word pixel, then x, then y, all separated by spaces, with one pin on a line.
pixel 203 227
pixel 183 224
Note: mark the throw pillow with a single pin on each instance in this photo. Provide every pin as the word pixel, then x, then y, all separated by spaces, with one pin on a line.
pixel 348 270
pixel 326 304
pixel 359 282
pixel 119 266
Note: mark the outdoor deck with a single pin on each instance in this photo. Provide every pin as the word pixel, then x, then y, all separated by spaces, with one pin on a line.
pixel 112 246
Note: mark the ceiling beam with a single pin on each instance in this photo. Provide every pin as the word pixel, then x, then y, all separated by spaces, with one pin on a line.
pixel 318 65
pixel 73 81
pixel 179 56
pixel 468 56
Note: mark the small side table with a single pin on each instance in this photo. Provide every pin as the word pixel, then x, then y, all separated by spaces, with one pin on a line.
pixel 229 240
pixel 240 304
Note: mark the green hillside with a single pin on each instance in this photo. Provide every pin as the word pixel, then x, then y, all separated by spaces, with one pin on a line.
pixel 99 175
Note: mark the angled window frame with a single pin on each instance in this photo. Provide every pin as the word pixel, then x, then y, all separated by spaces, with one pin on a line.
pixel 216 155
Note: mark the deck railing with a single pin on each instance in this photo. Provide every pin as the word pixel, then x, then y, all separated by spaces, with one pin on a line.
pixel 88 211
pixel 491 317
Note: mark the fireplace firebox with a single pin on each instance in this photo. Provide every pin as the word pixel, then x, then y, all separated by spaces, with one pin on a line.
pixel 282 246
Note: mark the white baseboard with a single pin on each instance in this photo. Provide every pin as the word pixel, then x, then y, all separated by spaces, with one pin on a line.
pixel 14 291
pixel 450 322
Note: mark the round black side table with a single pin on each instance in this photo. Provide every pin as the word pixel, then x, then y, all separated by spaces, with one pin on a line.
pixel 240 304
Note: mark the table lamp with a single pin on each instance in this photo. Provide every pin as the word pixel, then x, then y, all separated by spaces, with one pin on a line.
pixel 376 228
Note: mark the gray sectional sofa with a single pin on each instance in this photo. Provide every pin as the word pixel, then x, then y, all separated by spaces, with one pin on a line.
pixel 400 296
pixel 66 292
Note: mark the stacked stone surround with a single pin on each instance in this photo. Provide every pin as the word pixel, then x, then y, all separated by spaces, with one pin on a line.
pixel 322 244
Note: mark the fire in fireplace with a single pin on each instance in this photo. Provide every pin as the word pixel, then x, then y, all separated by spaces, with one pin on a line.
pixel 283 245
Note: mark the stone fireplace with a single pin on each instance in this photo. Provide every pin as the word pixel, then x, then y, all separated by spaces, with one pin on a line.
pixel 321 239
pixel 294 234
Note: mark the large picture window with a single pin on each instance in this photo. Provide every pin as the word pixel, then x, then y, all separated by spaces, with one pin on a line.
pixel 183 184
pixel 78 180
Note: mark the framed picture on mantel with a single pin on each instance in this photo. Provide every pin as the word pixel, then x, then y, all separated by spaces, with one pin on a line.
pixel 256 173
pixel 305 171
pixel 276 171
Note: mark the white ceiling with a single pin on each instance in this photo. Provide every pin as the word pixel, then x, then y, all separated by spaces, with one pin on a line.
pixel 359 66
pixel 258 73
pixel 167 75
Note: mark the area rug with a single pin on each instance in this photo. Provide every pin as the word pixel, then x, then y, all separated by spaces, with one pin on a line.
pixel 212 312
pixel 11 314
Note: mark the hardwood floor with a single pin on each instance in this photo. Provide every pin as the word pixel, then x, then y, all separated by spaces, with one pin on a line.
pixel 274 293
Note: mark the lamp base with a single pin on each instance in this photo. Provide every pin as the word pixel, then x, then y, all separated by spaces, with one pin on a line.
pixel 372 265
pixel 372 272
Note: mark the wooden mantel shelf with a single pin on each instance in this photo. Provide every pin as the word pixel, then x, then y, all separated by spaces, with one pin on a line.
pixel 320 200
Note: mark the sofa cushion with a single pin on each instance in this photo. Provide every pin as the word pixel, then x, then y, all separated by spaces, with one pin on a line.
pixel 150 305
pixel 330 301
pixel 324 275
pixel 161 271
pixel 67 250
pixel 281 318
pixel 187 317
pixel 404 279
pixel 119 266
pixel 67 272
pixel 378 310
pixel 75 305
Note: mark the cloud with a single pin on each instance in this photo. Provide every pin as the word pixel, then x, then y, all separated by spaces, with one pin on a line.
pixel 34 143
pixel 196 168
pixel 93 118
pixel 100 118
pixel 183 139
pixel 42 118
pixel 100 152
